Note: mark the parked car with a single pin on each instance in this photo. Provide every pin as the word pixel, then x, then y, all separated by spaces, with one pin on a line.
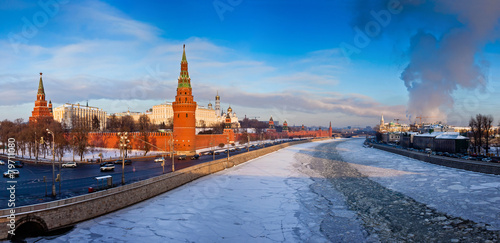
pixel 9 172
pixel 181 157
pixel 486 160
pixel 159 160
pixel 196 156
pixel 2 162
pixel 108 167
pixel 69 165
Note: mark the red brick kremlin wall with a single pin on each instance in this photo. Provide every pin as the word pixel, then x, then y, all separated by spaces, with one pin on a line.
pixel 162 140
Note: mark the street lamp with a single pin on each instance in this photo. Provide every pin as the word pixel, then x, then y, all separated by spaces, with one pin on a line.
pixel 228 147
pixel 124 143
pixel 171 148
pixel 53 169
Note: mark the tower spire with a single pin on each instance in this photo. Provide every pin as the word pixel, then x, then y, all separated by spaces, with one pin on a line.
pixel 184 80
pixel 40 86
pixel 184 53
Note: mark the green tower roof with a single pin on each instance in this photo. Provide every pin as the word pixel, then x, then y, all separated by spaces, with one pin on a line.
pixel 40 86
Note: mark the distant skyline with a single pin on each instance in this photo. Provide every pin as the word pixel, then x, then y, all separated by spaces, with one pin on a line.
pixel 306 63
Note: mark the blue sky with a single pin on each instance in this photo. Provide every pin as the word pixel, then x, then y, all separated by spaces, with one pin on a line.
pixel 266 58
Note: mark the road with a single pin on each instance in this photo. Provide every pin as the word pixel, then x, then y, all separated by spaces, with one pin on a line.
pixel 31 189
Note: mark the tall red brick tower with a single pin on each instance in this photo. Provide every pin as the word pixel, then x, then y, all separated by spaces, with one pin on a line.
pixel 228 130
pixel 184 112
pixel 271 125
pixel 41 111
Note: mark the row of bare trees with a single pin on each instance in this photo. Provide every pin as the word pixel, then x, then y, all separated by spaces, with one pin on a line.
pixel 482 132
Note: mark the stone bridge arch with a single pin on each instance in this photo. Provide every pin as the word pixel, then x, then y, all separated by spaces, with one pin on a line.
pixel 29 226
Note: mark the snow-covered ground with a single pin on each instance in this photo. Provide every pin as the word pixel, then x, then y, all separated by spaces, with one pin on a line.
pixel 460 193
pixel 264 200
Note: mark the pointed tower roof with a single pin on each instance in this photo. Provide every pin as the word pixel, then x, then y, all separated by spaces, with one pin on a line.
pixel 40 86
pixel 184 53
pixel 184 80
pixel 271 118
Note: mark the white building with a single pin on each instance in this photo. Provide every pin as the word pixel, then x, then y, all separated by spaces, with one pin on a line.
pixel 66 113
pixel 205 116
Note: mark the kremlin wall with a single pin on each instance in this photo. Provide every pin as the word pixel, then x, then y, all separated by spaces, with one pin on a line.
pixel 185 139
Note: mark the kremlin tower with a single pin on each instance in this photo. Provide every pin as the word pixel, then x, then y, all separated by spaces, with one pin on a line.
pixel 41 111
pixel 184 112
pixel 228 130
pixel 285 126
pixel 271 125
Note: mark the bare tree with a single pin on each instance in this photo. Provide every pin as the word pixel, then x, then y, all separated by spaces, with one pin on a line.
pixel 487 124
pixel 145 128
pixel 79 136
pixel 96 124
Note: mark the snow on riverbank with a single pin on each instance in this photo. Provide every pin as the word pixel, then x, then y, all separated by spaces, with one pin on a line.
pixel 264 200
pixel 466 194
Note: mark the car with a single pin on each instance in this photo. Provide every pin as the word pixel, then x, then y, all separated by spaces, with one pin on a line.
pixel 196 156
pixel 106 163
pixel 107 167
pixel 18 164
pixel 9 172
pixel 182 157
pixel 127 161
pixel 2 162
pixel 159 160
pixel 486 160
pixel 69 165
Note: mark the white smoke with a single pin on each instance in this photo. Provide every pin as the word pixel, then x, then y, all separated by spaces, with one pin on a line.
pixel 441 63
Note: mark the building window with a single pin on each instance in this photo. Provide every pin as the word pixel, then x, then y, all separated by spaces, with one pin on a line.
pixel 186 114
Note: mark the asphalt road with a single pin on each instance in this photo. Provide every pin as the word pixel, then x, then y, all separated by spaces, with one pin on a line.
pixel 31 188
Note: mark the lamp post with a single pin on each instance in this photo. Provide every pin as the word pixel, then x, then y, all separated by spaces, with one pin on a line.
pixel 123 146
pixel 171 147
pixel 53 169
pixel 228 147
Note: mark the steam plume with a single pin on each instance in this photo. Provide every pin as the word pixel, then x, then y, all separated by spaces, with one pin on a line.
pixel 443 62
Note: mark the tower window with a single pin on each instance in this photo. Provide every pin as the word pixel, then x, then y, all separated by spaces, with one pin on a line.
pixel 186 114
pixel 178 116
pixel 186 99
